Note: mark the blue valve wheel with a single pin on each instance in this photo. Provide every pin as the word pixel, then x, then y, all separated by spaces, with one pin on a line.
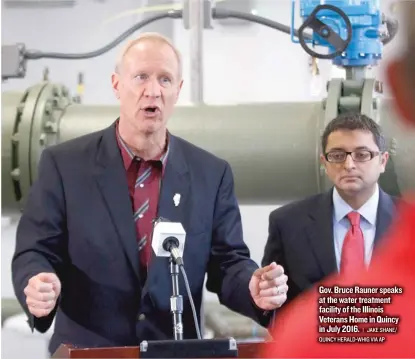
pixel 325 32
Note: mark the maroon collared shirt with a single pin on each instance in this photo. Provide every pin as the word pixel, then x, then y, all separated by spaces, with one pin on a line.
pixel 144 181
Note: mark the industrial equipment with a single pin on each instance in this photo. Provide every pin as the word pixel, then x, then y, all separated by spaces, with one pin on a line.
pixel 362 46
pixel 280 141
pixel 356 43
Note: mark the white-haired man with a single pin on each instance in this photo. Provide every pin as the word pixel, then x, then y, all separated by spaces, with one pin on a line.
pixel 83 249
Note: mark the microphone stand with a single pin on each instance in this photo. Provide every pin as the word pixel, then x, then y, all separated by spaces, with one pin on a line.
pixel 176 301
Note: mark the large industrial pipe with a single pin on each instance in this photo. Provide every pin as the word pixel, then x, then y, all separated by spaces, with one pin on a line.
pixel 273 148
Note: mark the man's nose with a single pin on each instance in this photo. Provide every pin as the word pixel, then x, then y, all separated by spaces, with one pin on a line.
pixel 152 89
pixel 348 162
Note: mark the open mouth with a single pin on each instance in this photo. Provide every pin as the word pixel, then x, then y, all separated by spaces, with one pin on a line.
pixel 151 109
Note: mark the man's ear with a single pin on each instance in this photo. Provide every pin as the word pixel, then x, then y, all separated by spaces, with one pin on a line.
pixel 384 157
pixel 115 81
pixel 179 90
pixel 403 93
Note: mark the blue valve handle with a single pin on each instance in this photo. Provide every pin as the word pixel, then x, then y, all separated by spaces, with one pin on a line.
pixel 325 32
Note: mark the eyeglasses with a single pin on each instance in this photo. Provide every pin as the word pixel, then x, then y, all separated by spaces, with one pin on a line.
pixel 358 156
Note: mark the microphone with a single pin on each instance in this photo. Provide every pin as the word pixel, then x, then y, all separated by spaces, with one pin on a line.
pixel 171 244
pixel 168 240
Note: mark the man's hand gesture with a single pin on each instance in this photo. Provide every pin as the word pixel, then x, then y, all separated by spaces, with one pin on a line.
pixel 268 287
pixel 42 291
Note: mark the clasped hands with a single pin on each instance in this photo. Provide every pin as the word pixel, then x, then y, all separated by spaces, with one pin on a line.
pixel 268 287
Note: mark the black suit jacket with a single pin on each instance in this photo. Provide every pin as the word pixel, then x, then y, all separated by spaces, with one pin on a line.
pixel 78 223
pixel 301 238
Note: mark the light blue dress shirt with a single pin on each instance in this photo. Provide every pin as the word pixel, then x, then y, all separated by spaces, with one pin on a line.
pixel 341 224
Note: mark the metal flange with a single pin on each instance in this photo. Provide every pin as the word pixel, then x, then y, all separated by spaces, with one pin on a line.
pixel 35 127
pixel 46 119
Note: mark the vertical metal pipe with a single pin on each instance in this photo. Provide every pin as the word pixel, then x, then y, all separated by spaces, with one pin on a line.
pixel 196 21
pixel 176 302
pixel 356 73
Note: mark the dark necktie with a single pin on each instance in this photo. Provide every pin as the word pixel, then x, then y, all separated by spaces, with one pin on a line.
pixel 141 206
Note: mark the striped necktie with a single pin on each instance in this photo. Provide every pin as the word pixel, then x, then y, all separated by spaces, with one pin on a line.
pixel 146 193
pixel 141 206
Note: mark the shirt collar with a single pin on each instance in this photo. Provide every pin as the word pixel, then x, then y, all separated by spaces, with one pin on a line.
pixel 128 155
pixel 368 211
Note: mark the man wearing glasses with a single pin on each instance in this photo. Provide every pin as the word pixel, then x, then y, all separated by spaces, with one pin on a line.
pixel 335 231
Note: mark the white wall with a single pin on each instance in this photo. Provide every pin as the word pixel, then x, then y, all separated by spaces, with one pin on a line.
pixel 250 63
pixel 86 27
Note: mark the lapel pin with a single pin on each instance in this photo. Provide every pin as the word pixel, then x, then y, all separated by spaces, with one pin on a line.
pixel 176 199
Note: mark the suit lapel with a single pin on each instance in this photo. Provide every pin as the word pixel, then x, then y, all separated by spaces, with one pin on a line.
pixel 112 183
pixel 320 233
pixel 175 182
pixel 384 217
pixel 320 228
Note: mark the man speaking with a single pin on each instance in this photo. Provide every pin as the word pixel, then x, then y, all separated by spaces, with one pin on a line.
pixel 83 247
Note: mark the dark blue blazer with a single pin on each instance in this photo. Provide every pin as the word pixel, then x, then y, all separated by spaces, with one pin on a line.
pixel 301 238
pixel 78 223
